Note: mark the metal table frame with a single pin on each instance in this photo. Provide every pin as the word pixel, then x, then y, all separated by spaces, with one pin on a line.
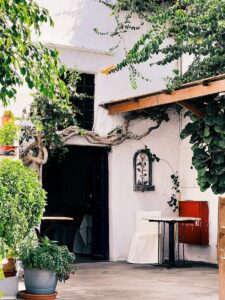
pixel 171 221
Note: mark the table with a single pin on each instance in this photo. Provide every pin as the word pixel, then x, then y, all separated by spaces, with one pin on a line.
pixel 171 221
pixel 54 219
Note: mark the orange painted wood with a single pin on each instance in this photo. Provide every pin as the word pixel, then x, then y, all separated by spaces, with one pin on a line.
pixel 221 247
pixel 196 234
pixel 193 109
pixel 163 97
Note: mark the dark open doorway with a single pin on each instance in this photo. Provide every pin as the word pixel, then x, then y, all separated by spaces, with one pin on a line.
pixel 78 187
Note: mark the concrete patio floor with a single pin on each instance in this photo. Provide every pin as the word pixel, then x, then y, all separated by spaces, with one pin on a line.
pixel 112 280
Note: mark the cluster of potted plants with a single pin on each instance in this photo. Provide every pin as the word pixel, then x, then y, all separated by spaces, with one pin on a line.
pixel 22 203
pixel 8 134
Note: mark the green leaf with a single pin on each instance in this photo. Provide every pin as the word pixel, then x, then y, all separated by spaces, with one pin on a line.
pixel 212 109
pixel 220 120
pixel 23 71
pixel 206 132
pixel 210 120
pixel 222 143
pixel 219 129
pixel 213 179
pixel 204 186
pixel 219 159
pixel 189 129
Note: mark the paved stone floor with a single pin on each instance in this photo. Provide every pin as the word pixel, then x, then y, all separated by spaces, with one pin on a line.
pixel 111 281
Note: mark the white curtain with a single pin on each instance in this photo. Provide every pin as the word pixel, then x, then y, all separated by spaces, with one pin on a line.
pixel 144 245
pixel 83 236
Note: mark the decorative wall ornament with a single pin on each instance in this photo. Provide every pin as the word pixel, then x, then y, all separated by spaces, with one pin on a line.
pixel 143 160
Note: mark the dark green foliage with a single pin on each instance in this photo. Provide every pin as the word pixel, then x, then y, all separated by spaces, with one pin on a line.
pixel 22 202
pixel 47 255
pixel 176 189
pixel 21 59
pixel 208 138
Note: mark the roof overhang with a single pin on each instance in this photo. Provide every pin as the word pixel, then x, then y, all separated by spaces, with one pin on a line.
pixel 190 91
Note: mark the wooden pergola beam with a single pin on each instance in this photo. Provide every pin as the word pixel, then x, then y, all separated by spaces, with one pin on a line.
pixel 189 91
pixel 193 109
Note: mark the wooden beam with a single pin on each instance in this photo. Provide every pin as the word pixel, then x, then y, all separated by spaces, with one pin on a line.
pixel 186 93
pixel 193 109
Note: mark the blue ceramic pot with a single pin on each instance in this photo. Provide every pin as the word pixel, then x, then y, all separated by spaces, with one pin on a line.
pixel 40 282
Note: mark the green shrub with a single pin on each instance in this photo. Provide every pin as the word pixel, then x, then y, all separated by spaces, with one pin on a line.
pixel 22 203
pixel 47 255
pixel 8 133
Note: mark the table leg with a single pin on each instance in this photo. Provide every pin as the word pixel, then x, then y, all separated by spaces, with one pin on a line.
pixel 164 229
pixel 158 242
pixel 171 245
pixel 47 229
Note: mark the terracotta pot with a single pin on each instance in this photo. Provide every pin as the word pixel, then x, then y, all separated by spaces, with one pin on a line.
pixel 25 295
pixel 8 150
pixel 6 119
pixel 9 268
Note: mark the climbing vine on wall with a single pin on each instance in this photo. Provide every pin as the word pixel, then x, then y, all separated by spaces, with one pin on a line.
pixel 173 202
pixel 191 27
pixel 176 28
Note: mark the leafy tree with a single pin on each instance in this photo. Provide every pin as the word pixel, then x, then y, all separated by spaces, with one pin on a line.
pixel 21 59
pixel 192 27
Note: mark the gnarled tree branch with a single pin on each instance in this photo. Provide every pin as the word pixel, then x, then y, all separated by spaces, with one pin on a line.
pixel 116 137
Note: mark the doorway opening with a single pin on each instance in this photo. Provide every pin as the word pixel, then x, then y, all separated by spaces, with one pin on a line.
pixel 77 189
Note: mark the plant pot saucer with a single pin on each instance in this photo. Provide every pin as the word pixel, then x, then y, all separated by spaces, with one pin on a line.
pixel 25 295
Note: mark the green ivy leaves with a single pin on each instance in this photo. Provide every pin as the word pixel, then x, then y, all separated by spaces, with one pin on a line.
pixel 208 139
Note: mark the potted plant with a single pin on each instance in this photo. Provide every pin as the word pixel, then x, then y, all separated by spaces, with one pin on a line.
pixel 8 136
pixel 7 117
pixel 22 203
pixel 44 264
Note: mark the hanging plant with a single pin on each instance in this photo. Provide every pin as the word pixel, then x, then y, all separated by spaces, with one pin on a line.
pixel 208 139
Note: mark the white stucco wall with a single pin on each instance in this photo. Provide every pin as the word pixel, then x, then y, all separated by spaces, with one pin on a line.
pixel 191 191
pixel 81 48
pixel 123 200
